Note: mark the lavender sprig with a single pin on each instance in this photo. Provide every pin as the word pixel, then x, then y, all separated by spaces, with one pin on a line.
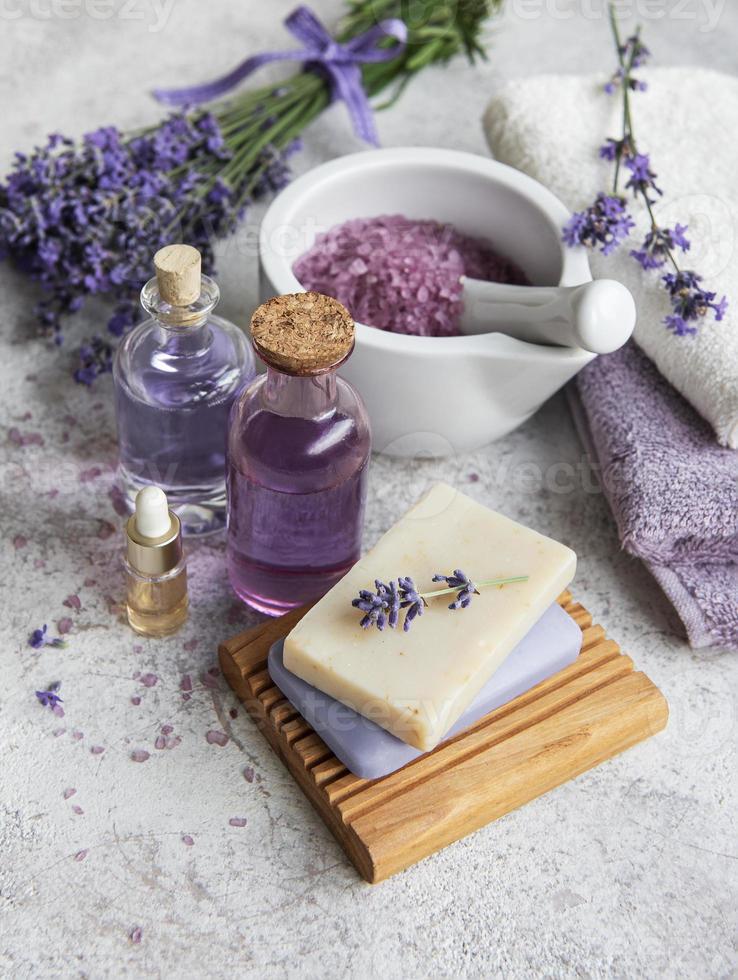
pixel 381 607
pixel 607 222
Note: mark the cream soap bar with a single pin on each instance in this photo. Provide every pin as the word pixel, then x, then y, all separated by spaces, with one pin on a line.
pixel 417 684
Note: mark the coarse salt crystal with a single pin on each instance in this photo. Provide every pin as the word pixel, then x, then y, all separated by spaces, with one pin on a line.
pixel 400 274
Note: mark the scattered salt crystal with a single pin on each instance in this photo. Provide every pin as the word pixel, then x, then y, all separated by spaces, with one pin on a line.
pixel 118 501
pixel 106 530
pixel 217 738
pixel 400 274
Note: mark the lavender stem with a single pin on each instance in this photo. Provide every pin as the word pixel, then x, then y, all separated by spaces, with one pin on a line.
pixel 493 581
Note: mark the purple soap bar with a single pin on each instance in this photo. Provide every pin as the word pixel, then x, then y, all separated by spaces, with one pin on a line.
pixel 371 752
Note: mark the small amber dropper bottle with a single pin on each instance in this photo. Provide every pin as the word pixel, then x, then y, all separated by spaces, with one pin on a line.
pixel 156 572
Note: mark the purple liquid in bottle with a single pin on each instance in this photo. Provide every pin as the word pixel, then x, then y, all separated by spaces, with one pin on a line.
pixel 174 388
pixel 298 457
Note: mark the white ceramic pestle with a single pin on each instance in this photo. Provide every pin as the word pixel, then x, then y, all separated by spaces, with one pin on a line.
pixel 596 316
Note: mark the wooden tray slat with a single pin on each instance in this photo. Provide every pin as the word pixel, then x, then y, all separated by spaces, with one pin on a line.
pixel 585 714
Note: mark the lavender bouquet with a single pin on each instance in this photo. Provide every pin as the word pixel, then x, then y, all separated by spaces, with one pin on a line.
pixel 607 223
pixel 84 218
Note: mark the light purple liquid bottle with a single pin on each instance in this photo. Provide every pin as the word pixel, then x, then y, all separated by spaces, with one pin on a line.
pixel 298 458
pixel 176 377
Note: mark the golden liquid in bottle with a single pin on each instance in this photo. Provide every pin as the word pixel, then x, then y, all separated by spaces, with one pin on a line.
pixel 157 605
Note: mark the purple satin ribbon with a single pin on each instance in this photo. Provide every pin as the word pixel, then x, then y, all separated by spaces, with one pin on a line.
pixel 341 61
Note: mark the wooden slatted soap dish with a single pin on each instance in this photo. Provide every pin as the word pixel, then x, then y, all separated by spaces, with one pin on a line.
pixel 587 713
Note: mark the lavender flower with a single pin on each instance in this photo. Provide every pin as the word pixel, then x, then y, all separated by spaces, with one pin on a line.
pixel 466 588
pixel 690 302
pixel 605 223
pixel 658 244
pixel 632 54
pixel 379 607
pixel 412 601
pixel 38 639
pixel 611 86
pixel 642 178
pixel 635 51
pixel 613 149
pixel 50 699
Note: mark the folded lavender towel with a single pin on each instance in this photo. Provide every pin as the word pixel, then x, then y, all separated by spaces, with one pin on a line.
pixel 672 489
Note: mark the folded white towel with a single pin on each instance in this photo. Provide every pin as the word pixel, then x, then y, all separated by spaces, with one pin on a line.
pixel 552 126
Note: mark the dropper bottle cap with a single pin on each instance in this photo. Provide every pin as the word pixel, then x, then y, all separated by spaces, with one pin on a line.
pixel 154 534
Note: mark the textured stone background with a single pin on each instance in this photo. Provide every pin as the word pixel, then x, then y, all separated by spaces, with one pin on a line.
pixel 628 871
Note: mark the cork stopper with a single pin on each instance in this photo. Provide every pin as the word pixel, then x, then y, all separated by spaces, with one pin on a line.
pixel 178 273
pixel 302 333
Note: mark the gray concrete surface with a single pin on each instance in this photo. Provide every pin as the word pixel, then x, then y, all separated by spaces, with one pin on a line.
pixel 629 871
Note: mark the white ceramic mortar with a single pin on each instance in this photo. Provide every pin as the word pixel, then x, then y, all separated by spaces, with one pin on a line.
pixel 436 395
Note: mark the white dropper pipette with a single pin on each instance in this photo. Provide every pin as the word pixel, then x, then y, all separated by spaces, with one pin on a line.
pixel 152 512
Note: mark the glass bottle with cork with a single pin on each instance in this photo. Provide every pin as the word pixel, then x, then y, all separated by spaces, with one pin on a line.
pixel 176 376
pixel 297 459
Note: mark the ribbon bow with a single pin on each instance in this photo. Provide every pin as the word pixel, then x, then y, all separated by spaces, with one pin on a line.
pixel 341 62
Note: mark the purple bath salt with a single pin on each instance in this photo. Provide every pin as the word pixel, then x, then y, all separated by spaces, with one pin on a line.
pixel 401 274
